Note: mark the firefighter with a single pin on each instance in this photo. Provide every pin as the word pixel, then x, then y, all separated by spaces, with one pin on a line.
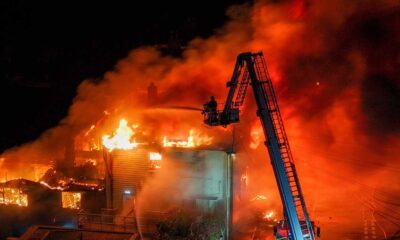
pixel 210 110
pixel 212 105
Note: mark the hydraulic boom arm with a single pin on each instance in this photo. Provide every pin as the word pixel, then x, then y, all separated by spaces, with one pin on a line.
pixel 251 69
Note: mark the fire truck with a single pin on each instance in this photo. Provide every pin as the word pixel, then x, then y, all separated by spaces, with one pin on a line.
pixel 251 69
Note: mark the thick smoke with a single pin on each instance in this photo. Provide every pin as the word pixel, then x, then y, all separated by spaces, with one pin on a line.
pixel 334 65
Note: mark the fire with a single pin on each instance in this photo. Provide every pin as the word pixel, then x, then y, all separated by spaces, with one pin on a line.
pixel 268 215
pixel 191 141
pixel 39 170
pixel 179 143
pixel 121 138
pixel 13 196
pixel 71 200
pixel 90 129
pixel 50 187
pixel 155 160
pixel 154 156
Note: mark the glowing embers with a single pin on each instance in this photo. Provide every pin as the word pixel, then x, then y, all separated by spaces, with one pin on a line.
pixel 13 196
pixel 89 141
pixel 51 187
pixel 191 141
pixel 121 138
pixel 269 215
pixel 71 200
pixel 155 160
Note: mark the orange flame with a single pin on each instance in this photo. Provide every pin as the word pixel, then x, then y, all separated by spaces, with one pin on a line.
pixel 190 142
pixel 155 156
pixel 155 160
pixel 13 196
pixel 121 139
pixel 71 200
pixel 50 187
pixel 268 215
pixel 90 129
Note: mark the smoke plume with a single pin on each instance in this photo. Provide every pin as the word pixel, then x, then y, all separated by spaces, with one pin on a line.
pixel 334 65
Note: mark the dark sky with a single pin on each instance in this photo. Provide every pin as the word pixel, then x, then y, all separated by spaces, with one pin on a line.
pixel 48 47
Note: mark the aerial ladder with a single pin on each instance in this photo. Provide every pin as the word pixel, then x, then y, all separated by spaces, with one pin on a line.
pixel 251 69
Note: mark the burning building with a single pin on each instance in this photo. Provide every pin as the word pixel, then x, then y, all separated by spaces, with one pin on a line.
pixel 145 180
pixel 14 193
pixel 335 122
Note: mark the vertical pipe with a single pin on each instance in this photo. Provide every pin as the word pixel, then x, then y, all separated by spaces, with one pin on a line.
pixel 229 197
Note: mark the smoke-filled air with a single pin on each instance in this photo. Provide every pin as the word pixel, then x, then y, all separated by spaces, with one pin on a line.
pixel 335 69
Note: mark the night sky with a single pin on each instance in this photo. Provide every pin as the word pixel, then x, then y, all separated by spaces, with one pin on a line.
pixel 48 47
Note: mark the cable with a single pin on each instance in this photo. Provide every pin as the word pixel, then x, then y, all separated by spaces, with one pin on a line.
pixel 387 202
pixel 377 223
pixel 386 217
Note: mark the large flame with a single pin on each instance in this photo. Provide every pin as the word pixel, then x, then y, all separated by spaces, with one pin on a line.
pixel 121 139
pixel 334 122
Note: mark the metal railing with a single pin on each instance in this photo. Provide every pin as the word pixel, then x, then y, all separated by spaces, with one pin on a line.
pixel 106 222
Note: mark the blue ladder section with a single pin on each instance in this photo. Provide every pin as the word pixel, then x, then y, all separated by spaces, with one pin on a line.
pixel 286 155
pixel 242 89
